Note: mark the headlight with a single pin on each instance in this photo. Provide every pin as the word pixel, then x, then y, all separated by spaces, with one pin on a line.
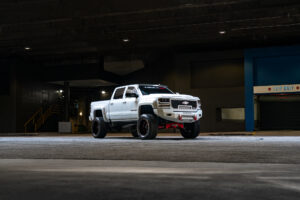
pixel 164 102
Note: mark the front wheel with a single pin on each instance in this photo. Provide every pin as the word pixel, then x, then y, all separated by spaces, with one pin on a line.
pixel 147 126
pixel 190 130
pixel 99 128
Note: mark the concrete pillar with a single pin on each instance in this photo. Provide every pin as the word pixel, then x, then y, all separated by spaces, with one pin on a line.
pixel 8 105
pixel 67 100
pixel 249 96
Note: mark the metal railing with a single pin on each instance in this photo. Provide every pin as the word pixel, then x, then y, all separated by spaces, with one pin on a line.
pixel 38 119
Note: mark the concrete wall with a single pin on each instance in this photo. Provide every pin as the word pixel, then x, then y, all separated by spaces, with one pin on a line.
pixel 32 95
pixel 24 97
pixel 25 88
pixel 216 77
pixel 182 72
pixel 7 100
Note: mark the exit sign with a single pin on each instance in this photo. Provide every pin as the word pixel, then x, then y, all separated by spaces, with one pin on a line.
pixel 273 89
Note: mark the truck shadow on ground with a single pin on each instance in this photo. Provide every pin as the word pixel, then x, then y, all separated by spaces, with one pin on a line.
pixel 158 138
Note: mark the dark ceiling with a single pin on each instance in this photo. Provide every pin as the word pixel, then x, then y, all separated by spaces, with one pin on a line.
pixel 55 28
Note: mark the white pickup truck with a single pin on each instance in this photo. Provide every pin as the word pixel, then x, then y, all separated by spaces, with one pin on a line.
pixel 145 108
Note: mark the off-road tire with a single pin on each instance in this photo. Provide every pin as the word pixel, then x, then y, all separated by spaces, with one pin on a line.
pixel 190 130
pixel 99 129
pixel 147 126
pixel 134 132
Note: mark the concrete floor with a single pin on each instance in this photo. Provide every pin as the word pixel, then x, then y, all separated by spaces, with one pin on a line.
pixel 210 167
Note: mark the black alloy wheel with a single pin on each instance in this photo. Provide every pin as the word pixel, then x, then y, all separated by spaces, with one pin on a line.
pixel 147 126
pixel 134 132
pixel 99 128
pixel 190 130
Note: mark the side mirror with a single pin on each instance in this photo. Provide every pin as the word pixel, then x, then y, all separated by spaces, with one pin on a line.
pixel 135 95
pixel 177 92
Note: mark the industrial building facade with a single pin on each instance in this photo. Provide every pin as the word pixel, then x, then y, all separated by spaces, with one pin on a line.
pixel 225 80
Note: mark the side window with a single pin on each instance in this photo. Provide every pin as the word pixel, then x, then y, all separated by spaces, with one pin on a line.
pixel 119 93
pixel 130 92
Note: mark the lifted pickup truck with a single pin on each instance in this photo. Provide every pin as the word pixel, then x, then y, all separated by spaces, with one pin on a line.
pixel 145 108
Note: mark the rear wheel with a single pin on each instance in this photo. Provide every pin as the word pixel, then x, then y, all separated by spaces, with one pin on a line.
pixel 99 128
pixel 190 130
pixel 147 126
pixel 134 132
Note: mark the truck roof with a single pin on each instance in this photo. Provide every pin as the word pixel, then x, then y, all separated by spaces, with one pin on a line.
pixel 141 85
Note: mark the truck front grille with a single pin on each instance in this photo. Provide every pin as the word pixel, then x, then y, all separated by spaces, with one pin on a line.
pixel 178 103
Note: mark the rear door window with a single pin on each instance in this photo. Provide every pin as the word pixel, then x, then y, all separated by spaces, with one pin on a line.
pixel 130 90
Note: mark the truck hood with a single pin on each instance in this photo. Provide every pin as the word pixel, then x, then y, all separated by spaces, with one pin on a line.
pixel 173 96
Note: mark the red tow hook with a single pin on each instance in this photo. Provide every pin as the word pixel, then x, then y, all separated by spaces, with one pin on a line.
pixel 195 117
pixel 174 125
pixel 180 117
pixel 171 125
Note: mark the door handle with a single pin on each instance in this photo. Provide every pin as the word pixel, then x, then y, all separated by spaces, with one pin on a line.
pixel 124 102
pixel 111 103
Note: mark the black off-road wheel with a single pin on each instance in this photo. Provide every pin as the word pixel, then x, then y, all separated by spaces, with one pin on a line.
pixel 147 126
pixel 190 130
pixel 134 132
pixel 99 129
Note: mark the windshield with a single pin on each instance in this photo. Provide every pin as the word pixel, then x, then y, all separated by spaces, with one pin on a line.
pixel 150 89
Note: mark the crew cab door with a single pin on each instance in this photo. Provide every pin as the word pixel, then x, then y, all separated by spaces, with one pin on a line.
pixel 116 105
pixel 131 103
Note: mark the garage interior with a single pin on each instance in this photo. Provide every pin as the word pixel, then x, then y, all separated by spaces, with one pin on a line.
pixel 194 47
pixel 288 107
pixel 241 57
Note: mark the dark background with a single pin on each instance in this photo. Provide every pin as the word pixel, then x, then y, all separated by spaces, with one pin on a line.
pixel 44 43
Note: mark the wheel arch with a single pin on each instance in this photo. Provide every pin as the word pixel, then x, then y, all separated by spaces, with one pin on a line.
pixel 98 113
pixel 146 109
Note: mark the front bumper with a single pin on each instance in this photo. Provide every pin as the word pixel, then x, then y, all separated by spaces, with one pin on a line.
pixel 179 116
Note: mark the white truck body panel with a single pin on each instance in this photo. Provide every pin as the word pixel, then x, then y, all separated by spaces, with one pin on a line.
pixel 127 108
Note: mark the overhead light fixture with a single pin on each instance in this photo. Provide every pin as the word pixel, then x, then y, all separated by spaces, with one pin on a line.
pixel 27 48
pixel 188 5
pixel 61 91
pixel 126 40
pixel 103 92
pixel 80 114
pixel 222 32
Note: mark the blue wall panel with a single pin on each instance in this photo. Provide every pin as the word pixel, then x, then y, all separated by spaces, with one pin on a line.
pixel 269 66
pixel 277 70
